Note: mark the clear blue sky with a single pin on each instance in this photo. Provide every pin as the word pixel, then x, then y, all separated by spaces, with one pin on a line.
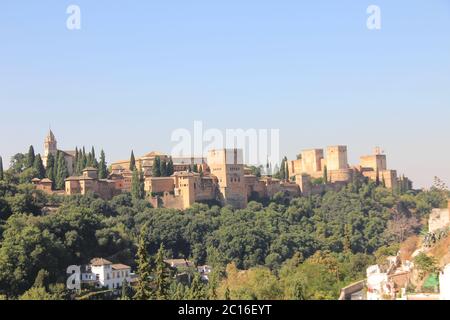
pixel 137 70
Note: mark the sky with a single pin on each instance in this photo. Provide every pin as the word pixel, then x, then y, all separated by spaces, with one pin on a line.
pixel 138 70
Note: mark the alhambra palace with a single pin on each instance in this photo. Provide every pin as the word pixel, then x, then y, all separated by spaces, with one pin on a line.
pixel 223 177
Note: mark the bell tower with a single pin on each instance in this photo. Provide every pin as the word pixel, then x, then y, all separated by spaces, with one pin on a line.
pixel 50 146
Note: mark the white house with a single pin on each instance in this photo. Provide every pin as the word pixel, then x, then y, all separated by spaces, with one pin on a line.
pixel 105 274
pixel 444 283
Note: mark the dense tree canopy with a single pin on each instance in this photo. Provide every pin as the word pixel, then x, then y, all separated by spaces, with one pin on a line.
pixel 304 248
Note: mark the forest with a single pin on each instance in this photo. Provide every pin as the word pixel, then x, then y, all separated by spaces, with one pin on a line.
pixel 301 248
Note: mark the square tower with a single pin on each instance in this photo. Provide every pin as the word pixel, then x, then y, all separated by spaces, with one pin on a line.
pixel 228 166
pixel 337 158
pixel 312 161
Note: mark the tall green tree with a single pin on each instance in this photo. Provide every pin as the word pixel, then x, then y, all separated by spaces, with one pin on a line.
pixel 137 185
pixel 94 158
pixel 217 263
pixel 39 167
pixel 162 275
pixel 102 169
pixel 30 157
pixel 1 169
pixel 282 171
pixel 62 172
pixel 132 161
pixel 325 174
pixel 50 169
pixel 144 268
pixel 77 158
pixel 163 168
pixel 156 169
pixel 170 169
pixel 197 290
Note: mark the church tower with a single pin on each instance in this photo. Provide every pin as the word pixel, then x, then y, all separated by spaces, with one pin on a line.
pixel 50 147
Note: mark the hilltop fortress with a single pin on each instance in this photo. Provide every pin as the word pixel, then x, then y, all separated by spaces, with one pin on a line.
pixel 223 178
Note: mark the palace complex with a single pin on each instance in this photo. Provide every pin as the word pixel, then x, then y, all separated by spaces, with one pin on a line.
pixel 222 177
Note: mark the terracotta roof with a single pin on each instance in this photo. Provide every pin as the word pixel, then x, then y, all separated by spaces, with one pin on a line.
pixel 36 180
pixel 46 180
pixel 120 267
pixel 98 262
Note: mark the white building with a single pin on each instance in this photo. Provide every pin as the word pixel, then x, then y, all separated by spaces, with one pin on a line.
pixel 104 274
pixel 444 283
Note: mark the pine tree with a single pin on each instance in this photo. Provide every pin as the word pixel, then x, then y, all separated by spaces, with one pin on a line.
pixel 156 169
pixel 162 275
pixel 196 291
pixel 30 157
pixel 132 161
pixel 1 169
pixel 102 169
pixel 170 169
pixel 163 168
pixel 39 167
pixel 62 172
pixel 50 170
pixel 144 269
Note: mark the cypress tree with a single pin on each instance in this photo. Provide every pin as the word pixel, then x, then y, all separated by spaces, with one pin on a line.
pixel 144 268
pixel 75 165
pixel 141 185
pixel 62 172
pixel 282 170
pixel 170 170
pixel 30 157
pixel 84 162
pixel 102 170
pixel 163 168
pixel 325 174
pixel 156 169
pixel 1 169
pixel 50 170
pixel 137 185
pixel 162 275
pixel 39 167
pixel 132 161
pixel 286 170
pixel 377 180
pixel 94 159
pixel 200 170
pixel 194 168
